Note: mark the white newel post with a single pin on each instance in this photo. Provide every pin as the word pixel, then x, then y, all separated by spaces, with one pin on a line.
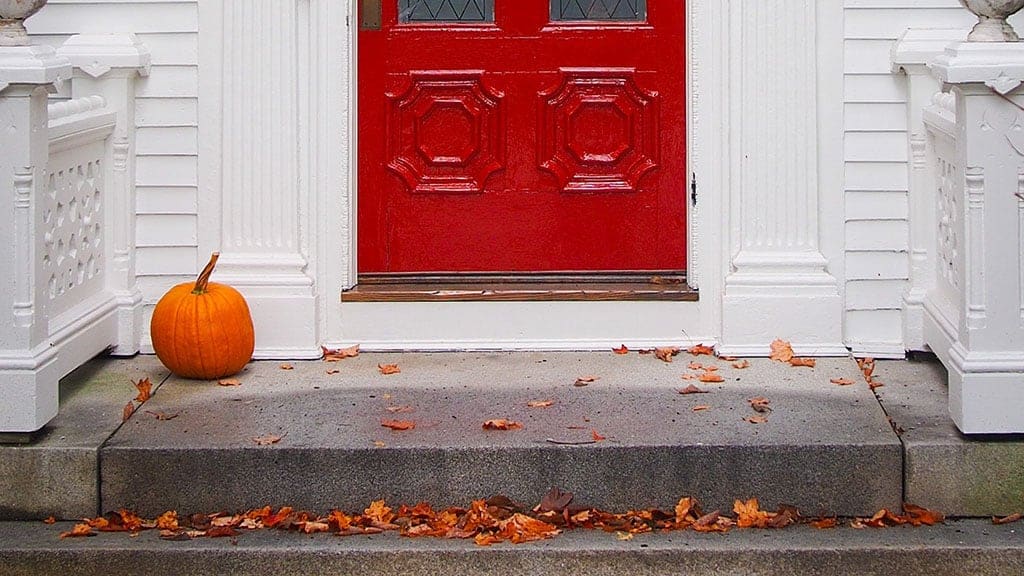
pixel 974 320
pixel 254 202
pixel 29 371
pixel 780 284
pixel 107 65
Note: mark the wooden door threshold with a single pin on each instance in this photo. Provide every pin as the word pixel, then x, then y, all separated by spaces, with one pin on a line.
pixel 521 288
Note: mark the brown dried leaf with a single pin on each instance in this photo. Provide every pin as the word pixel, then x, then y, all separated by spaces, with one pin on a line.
pixel 145 388
pixel 711 377
pixel 760 404
pixel 742 364
pixel 825 523
pixel 333 371
pixel 665 354
pixel 340 353
pixel 756 419
pixel 841 381
pixel 1007 519
pixel 162 416
pixel 229 382
pixel 221 532
pixel 782 351
pixel 805 362
pixel 286 366
pixel 398 424
pixel 502 424
pixel 584 380
pixel 621 350
pixel 689 376
pixel 50 520
pixel 129 409
pixel 540 403
pixel 701 350
pixel 917 515
pixel 387 369
pixel 875 384
pixel 701 408
pixel 267 440
pixel 597 437
pixel 691 389
pixel 78 531
pixel 694 365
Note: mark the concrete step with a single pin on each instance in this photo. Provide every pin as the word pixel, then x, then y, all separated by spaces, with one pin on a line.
pixel 973 547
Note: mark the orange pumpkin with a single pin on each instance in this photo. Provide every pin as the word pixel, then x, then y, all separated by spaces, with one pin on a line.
pixel 203 330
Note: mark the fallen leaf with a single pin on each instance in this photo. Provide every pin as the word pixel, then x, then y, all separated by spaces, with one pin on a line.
pixel 267 440
pixel 624 535
pixel 621 350
pixel 287 366
pixel 782 351
pixel 229 382
pixel 167 521
pixel 387 369
pixel 694 365
pixel 701 350
pixel 1007 519
pixel 221 532
pixel 398 424
pixel 691 389
pixel 597 437
pixel 129 409
pixel 502 424
pixel 701 408
pixel 333 371
pixel 689 376
pixel 400 409
pixel 145 388
pixel 340 353
pixel 711 377
pixel 162 416
pixel 584 380
pixel 841 381
pixel 379 444
pixel 875 384
pixel 666 354
pixel 78 531
pixel 749 514
pixel 540 403
pixel 760 404
pixel 554 501
pixel 310 527
pixel 825 523
pixel 917 515
pixel 756 419
pixel 805 362
pixel 742 364
pixel 50 520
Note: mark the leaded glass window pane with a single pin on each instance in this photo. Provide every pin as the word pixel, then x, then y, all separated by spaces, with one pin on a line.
pixel 416 11
pixel 615 10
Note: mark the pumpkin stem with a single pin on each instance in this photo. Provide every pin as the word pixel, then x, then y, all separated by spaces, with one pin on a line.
pixel 204 276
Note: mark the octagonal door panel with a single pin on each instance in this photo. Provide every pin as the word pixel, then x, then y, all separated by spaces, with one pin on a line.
pixel 521 136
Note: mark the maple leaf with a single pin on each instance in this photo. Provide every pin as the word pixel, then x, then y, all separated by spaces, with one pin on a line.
pixel 229 382
pixel 502 424
pixel 78 531
pixel 167 521
pixel 666 354
pixel 841 381
pixel 129 409
pixel 621 350
pixel 272 520
pixel 388 369
pixel 701 350
pixel 597 437
pixel 742 364
pixel 286 366
pixel 710 523
pixel 398 424
pixel 756 419
pixel 521 528
pixel 683 509
pixel 379 512
pixel 1007 519
pixel 145 388
pixel 163 416
pixel 782 351
pixel 584 380
pixel 267 440
pixel 700 408
pixel 540 403
pixel 691 389
pixel 806 362
pixel 340 353
pixel 917 516
pixel 710 377
pixel 749 514
pixel 760 404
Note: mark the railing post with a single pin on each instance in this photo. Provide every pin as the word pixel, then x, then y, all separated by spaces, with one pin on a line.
pixel 29 371
pixel 108 65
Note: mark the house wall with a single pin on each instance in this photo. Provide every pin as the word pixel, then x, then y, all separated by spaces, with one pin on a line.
pixel 166 117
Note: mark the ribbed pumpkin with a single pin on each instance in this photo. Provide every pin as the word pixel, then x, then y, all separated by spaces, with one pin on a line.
pixel 203 330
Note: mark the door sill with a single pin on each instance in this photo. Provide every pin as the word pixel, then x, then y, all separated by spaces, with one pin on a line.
pixel 577 287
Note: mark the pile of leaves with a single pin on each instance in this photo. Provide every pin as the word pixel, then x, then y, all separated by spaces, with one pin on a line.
pixel 491 521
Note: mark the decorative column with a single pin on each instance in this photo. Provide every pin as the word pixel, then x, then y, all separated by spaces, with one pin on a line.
pixel 107 65
pixel 29 370
pixel 779 284
pixel 254 205
pixel 974 320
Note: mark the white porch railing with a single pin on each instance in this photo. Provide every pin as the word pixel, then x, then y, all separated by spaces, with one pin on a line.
pixel 70 223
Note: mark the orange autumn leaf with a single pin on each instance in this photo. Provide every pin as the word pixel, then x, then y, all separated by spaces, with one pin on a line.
pixel 502 424
pixel 841 381
pixel 805 362
pixel 760 404
pixel 332 372
pixel 749 514
pixel 379 511
pixel 387 369
pixel 782 351
pixel 874 384
pixel 701 350
pixel 521 528
pixel 917 515
pixel 666 354
pixel 694 365
pixel 691 389
pixel 286 366
pixel 825 523
pixel 127 412
pixel 221 532
pixel 540 403
pixel 710 377
pixel 756 419
pixel 621 350
pixel 700 408
pixel 229 382
pixel 398 424
pixel 742 364
pixel 597 437
pixel 313 526
pixel 78 531
pixel 267 440
pixel 340 353
pixel 683 509
pixel 272 520
pixel 710 522
pixel 1007 519
pixel 50 520
pixel 339 520
pixel 689 376
pixel 584 380
pixel 167 521
pixel 145 388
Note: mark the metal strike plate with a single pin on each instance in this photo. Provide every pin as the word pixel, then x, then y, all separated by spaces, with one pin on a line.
pixel 371 15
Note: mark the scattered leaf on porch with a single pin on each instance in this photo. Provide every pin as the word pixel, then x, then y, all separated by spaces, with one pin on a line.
pixel 229 382
pixel 701 350
pixel 584 380
pixel 711 377
pixel 917 515
pixel 540 403
pixel 825 523
pixel 379 444
pixel 1007 519
pixel 691 389
pixel 387 369
pixel 167 521
pixel 502 424
pixel 875 384
pixel 287 366
pixel 841 381
pixel 694 365
pixel 221 532
pixel 760 404
pixel 666 354
pixel 145 388
pixel 78 531
pixel 742 364
pixel 129 409
pixel 624 535
pixel 621 350
pixel 400 409
pixel 340 353
pixel 398 424
pixel 749 514
pixel 597 437
pixel 267 440
pixel 806 362
pixel 701 408
pixel 756 419
pixel 50 520
pixel 333 371
pixel 162 416
pixel 782 351
pixel 867 368
pixel 689 376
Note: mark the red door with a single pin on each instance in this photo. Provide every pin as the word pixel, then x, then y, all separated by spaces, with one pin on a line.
pixel 521 136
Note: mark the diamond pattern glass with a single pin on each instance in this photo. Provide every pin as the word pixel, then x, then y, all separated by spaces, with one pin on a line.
pixel 418 11
pixel 613 10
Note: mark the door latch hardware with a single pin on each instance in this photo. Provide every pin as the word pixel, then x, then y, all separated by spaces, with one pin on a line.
pixel 371 16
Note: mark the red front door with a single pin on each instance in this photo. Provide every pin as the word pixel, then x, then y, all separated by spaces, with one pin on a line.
pixel 522 136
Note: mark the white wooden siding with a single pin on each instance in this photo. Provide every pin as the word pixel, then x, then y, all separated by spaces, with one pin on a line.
pixel 166 115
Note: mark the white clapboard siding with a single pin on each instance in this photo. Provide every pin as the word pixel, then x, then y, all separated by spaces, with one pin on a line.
pixel 876 150
pixel 166 116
